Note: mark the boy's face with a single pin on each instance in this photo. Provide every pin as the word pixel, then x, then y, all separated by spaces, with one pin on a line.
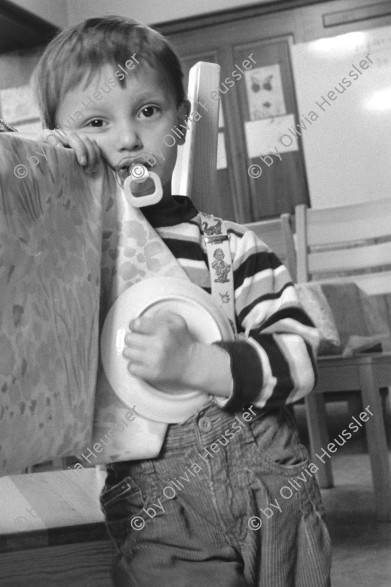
pixel 129 121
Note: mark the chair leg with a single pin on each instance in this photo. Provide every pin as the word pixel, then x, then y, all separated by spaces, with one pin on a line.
pixel 354 403
pixel 377 443
pixel 319 438
pixel 386 406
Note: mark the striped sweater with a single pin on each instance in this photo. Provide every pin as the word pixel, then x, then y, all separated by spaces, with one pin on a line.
pixel 273 359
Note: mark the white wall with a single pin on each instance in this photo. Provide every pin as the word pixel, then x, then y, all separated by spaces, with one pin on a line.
pixel 347 148
pixel 63 12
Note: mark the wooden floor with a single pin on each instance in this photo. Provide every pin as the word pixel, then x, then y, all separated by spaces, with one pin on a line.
pixel 361 544
pixel 85 564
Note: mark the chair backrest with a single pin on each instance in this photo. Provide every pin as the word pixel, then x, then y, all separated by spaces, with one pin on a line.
pixel 352 242
pixel 277 234
pixel 195 172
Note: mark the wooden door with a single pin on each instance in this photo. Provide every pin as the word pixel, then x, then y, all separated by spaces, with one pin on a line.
pixel 276 177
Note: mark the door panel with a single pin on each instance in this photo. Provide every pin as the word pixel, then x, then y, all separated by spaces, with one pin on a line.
pixel 269 87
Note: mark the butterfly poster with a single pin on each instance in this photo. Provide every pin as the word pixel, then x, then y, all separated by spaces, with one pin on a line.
pixel 264 92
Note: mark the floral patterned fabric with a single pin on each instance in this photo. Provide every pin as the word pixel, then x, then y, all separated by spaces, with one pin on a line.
pixel 63 234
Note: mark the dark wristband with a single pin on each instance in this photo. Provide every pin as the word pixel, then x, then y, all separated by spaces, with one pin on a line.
pixel 247 373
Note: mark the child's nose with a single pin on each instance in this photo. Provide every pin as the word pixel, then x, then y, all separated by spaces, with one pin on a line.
pixel 128 138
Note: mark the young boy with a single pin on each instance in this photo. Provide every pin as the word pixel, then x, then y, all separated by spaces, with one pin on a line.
pixel 229 501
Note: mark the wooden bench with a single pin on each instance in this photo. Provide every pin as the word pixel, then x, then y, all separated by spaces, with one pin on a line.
pixel 52 530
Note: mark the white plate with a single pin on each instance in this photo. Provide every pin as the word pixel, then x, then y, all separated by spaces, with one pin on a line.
pixel 205 319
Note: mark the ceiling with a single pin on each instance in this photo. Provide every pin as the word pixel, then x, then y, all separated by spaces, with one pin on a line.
pixel 19 29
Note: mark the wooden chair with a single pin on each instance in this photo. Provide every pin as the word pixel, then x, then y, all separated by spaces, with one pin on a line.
pixel 353 239
pixel 195 172
pixel 277 234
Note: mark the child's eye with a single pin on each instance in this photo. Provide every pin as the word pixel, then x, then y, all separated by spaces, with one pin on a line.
pixel 149 111
pixel 96 123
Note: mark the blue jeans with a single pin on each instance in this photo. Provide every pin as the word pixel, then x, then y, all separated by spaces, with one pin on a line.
pixel 228 503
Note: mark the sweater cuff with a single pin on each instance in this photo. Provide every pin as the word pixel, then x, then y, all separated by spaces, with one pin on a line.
pixel 247 373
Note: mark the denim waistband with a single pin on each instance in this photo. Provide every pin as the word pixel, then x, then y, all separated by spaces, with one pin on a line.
pixel 207 425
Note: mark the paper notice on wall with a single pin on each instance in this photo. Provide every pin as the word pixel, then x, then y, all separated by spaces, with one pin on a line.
pixel 270 135
pixel 221 152
pixel 264 92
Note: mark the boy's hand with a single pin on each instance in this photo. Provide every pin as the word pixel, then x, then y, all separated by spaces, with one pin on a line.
pixel 161 350
pixel 87 151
